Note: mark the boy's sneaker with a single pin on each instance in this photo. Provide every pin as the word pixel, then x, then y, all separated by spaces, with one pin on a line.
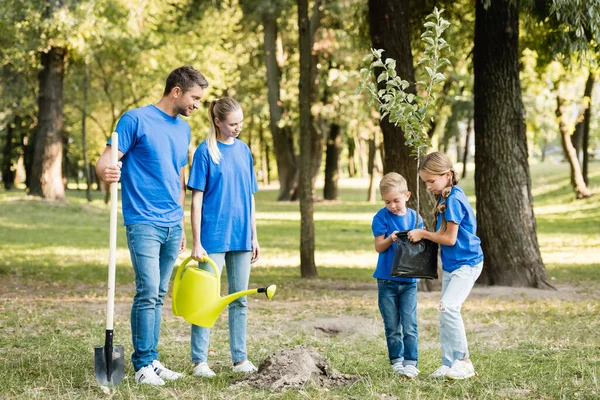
pixel 147 375
pixel 410 371
pixel 398 368
pixel 461 370
pixel 246 367
pixel 164 372
pixel 202 369
pixel 440 372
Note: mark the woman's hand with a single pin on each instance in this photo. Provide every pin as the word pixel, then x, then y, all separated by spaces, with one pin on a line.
pixel 416 235
pixel 255 251
pixel 198 252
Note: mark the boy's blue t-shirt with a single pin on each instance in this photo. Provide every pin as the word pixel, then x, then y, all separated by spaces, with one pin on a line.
pixel 467 249
pixel 155 148
pixel 228 187
pixel 384 223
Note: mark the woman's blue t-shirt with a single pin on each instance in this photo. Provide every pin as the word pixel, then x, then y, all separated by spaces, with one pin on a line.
pixel 155 148
pixel 384 223
pixel 467 249
pixel 227 201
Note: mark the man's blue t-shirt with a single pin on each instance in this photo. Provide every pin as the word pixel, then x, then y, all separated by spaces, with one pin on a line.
pixel 384 223
pixel 227 201
pixel 467 249
pixel 154 146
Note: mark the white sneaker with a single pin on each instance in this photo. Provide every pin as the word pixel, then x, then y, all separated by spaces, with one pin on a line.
pixel 147 375
pixel 398 368
pixel 410 371
pixel 440 372
pixel 461 370
pixel 164 372
pixel 202 369
pixel 246 367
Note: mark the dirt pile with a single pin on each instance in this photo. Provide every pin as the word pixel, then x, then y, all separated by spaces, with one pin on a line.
pixel 295 368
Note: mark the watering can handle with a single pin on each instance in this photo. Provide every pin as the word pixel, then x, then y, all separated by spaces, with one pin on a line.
pixel 205 259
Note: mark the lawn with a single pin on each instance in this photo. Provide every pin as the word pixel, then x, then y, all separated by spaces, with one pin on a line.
pixel 525 343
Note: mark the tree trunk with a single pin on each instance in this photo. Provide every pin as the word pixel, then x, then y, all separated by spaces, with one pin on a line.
pixel 372 191
pixel 8 175
pixel 88 178
pixel 584 127
pixel 506 223
pixel 308 268
pixel 46 180
pixel 264 155
pixel 390 31
pixel 283 142
pixel 579 186
pixel 351 162
pixel 466 149
pixel 332 163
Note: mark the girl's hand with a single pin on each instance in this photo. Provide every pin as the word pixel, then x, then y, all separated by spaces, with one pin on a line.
pixel 416 234
pixel 255 251
pixel 198 252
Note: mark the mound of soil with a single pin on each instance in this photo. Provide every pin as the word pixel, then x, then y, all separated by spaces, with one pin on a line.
pixel 296 368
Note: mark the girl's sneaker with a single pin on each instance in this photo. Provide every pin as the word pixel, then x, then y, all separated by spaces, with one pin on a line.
pixel 246 367
pixel 148 376
pixel 410 371
pixel 202 369
pixel 440 372
pixel 461 369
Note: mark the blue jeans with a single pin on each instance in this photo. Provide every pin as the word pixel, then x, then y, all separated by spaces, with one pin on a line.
pixel 237 264
pixel 456 286
pixel 153 251
pixel 398 306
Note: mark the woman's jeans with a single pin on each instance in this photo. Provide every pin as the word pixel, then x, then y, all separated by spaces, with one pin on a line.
pixel 153 251
pixel 398 306
pixel 237 264
pixel 456 286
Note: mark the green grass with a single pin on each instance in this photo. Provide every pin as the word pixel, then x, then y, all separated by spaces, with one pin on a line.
pixel 526 344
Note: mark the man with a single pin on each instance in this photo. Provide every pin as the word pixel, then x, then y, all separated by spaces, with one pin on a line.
pixel 153 149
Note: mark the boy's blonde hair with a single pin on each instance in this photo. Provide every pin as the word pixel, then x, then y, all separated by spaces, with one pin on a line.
pixel 392 181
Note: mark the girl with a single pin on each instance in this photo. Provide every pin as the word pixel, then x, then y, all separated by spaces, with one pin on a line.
pixel 223 223
pixel 462 260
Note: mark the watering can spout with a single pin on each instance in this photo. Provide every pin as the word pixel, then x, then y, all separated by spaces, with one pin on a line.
pixel 196 294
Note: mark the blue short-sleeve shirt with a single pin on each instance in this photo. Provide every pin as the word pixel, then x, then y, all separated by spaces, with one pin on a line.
pixel 228 187
pixel 155 148
pixel 467 249
pixel 384 223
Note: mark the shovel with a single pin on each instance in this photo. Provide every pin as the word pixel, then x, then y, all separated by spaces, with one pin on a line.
pixel 109 360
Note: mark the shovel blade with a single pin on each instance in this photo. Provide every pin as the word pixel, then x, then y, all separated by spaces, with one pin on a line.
pixel 109 369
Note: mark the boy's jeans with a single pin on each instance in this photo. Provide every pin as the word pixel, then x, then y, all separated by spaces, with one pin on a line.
pixel 456 286
pixel 237 264
pixel 398 306
pixel 153 251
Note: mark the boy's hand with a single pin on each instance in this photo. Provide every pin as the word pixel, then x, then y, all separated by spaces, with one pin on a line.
pixel 394 236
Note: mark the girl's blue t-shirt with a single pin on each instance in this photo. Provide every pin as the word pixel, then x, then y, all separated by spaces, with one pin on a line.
pixel 155 148
pixel 467 249
pixel 228 187
pixel 384 223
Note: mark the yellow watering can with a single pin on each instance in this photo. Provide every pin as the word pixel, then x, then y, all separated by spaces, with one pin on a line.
pixel 197 294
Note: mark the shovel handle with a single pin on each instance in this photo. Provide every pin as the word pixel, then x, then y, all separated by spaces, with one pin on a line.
pixel 112 250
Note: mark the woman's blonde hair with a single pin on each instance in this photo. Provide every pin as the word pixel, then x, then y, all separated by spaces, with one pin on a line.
pixel 392 181
pixel 437 163
pixel 219 109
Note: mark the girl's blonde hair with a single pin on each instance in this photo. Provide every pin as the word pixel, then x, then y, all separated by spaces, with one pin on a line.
pixel 437 163
pixel 392 181
pixel 220 109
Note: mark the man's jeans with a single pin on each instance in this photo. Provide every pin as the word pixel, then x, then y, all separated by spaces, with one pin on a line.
pixel 153 251
pixel 237 264
pixel 398 306
pixel 456 286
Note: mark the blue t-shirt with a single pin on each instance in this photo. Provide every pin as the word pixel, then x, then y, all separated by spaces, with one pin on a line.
pixel 227 201
pixel 154 146
pixel 467 249
pixel 384 223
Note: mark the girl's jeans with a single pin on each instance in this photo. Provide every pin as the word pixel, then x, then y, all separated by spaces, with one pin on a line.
pixel 456 286
pixel 398 307
pixel 237 264
pixel 153 251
